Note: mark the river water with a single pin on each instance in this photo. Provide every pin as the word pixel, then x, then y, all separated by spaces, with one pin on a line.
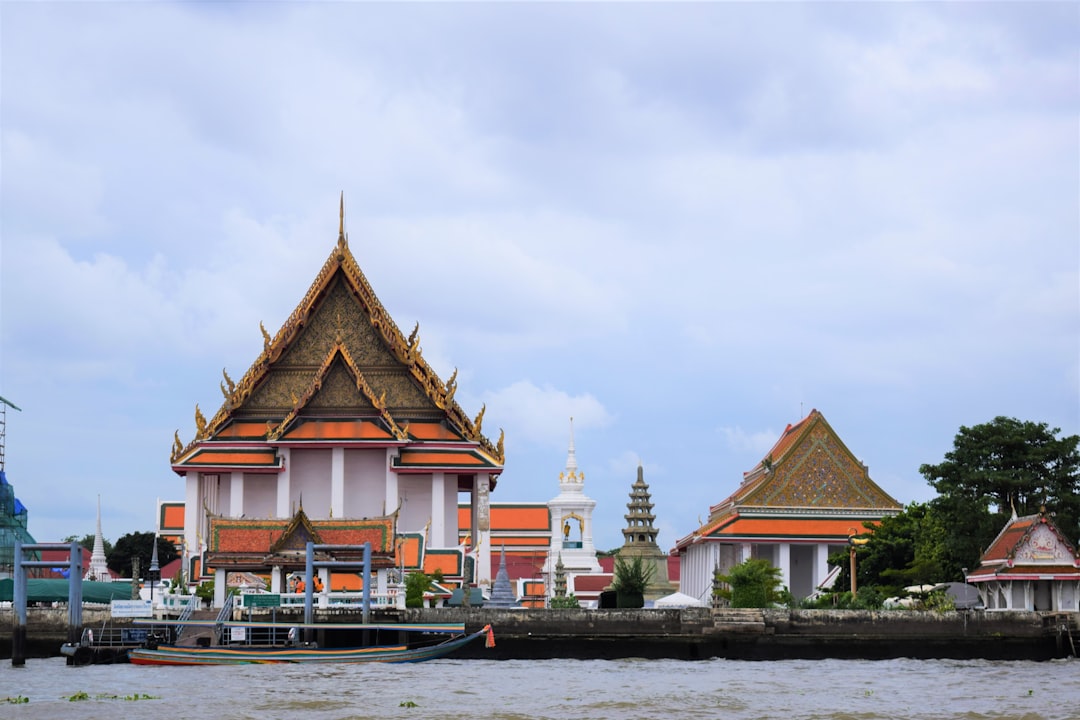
pixel 552 690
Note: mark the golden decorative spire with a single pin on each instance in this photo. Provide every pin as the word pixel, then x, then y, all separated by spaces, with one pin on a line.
pixel 341 221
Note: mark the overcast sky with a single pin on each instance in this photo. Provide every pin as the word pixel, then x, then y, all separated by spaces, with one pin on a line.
pixel 685 225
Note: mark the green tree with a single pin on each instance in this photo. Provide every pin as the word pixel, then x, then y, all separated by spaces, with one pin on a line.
pixel 754 583
pixel 904 549
pixel 141 545
pixel 996 468
pixel 416 584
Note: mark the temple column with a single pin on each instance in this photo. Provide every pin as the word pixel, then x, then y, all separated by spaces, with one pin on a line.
pixel 392 501
pixel 743 553
pixel 220 582
pixel 437 538
pixel 483 527
pixel 275 579
pixel 821 564
pixel 784 563
pixel 284 486
pixel 236 494
pixel 337 482
pixel 192 517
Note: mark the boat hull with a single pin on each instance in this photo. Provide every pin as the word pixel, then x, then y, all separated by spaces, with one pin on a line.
pixel 178 655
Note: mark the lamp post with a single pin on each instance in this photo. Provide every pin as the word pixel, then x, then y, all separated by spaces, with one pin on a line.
pixel 154 572
pixel 853 542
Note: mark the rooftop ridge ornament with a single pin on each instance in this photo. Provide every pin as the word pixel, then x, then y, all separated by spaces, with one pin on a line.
pixel 342 240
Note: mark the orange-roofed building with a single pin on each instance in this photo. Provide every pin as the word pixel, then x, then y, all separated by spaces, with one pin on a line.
pixel 1031 565
pixel 803 501
pixel 342 418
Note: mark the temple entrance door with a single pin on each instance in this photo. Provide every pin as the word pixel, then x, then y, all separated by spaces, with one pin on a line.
pixel 1043 599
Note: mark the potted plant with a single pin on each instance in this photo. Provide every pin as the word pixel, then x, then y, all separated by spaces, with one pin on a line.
pixel 632 577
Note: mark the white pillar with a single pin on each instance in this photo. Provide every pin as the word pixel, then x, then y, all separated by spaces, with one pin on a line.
pixel 337 482
pixel 284 486
pixel 784 563
pixel 438 511
pixel 192 517
pixel 821 564
pixel 483 511
pixel 220 587
pixel 236 494
pixel 392 500
pixel 275 579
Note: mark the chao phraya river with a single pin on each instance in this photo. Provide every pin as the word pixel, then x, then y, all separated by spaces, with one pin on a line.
pixel 553 690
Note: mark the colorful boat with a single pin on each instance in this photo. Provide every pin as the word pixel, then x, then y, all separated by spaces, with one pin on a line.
pixel 225 655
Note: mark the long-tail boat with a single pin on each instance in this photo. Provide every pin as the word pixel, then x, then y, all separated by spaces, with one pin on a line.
pixel 249 654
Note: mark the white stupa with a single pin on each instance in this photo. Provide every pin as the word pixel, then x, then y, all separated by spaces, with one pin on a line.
pixel 99 569
pixel 571 522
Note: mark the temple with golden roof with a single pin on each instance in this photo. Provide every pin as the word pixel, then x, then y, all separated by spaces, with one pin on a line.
pixel 803 501
pixel 341 433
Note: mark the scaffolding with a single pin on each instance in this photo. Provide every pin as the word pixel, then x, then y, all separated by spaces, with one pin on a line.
pixel 13 514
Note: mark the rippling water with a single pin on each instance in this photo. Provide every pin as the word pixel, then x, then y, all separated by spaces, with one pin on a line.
pixel 555 690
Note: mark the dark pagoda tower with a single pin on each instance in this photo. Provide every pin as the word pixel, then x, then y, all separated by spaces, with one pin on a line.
pixel 639 537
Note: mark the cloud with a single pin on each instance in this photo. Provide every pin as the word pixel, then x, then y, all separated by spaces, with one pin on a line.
pixel 752 443
pixel 540 416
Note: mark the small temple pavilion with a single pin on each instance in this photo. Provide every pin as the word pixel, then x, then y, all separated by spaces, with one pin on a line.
pixel 340 432
pixel 803 501
pixel 1031 565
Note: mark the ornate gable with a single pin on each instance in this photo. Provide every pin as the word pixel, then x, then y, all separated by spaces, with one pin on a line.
pixel 1028 542
pixel 810 467
pixel 338 354
pixel 296 536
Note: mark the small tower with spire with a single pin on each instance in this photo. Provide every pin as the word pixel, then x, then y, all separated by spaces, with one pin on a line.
pixel 571 522
pixel 639 537
pixel 99 569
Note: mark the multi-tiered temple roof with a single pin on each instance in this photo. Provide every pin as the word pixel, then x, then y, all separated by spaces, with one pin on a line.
pixel 339 372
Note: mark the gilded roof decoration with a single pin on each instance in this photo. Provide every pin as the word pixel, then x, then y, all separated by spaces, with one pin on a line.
pixel 340 324
pixel 808 472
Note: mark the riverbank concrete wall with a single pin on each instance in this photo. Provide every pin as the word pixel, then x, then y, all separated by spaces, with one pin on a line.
pixel 692 633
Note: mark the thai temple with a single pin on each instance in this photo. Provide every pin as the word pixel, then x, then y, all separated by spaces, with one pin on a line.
pixel 803 501
pixel 1031 565
pixel 339 433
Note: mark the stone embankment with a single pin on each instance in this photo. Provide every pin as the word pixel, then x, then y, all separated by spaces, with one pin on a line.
pixel 696 633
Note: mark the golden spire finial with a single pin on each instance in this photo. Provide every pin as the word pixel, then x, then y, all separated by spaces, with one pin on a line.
pixel 341 220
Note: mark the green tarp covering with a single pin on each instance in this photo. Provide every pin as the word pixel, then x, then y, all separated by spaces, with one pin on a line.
pixel 57 591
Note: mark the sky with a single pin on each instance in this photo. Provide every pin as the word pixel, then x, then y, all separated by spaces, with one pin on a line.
pixel 682 225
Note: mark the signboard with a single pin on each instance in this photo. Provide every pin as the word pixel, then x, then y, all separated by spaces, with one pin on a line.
pixel 131 609
pixel 238 634
pixel 261 600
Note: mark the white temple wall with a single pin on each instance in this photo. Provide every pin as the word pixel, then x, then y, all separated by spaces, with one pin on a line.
pixel 260 495
pixel 450 514
pixel 415 494
pixel 365 483
pixel 310 482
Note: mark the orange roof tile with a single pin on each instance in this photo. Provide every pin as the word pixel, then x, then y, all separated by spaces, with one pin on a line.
pixel 409 458
pixel 808 528
pixel 339 430
pixel 243 431
pixel 172 516
pixel 507 517
pixel 432 431
pixel 222 457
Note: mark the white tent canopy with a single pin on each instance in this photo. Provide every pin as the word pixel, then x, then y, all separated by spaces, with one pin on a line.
pixel 677 600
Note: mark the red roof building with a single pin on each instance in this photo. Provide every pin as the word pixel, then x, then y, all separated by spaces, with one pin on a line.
pixel 1030 565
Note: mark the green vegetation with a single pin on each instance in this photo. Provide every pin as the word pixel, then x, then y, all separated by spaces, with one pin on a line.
pixel 754 584
pixel 564 602
pixel 632 577
pixel 993 468
pixel 416 584
pixel 140 544
pixel 17 700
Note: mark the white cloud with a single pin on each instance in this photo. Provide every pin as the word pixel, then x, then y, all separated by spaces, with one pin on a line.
pixel 752 443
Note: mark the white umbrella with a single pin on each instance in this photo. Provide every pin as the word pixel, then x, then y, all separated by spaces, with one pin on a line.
pixel 677 600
